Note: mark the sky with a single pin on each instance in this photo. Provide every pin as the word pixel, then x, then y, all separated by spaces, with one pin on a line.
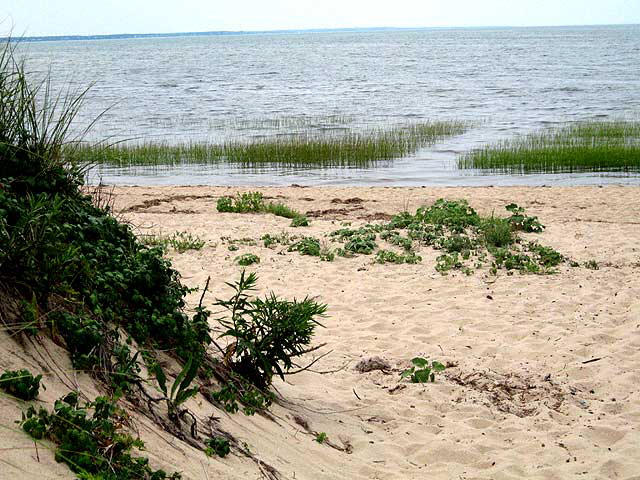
pixel 91 17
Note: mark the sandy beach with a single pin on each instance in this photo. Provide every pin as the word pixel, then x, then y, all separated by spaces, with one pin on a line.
pixel 543 370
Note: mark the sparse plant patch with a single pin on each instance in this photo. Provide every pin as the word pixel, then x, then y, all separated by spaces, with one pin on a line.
pixel 247 259
pixel 364 244
pixel 321 437
pixel 300 221
pixel 422 370
pixel 181 390
pixel 240 391
pixel 520 221
pixel 179 241
pixel 283 238
pixel 92 445
pixel 592 265
pixel 217 446
pixel 253 202
pixel 20 383
pixel 388 256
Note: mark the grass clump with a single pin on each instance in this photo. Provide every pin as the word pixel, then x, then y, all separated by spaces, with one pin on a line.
pixel 247 259
pixel 497 232
pixel 592 265
pixel 91 440
pixel 253 202
pixel 180 241
pixel 593 146
pixel 20 383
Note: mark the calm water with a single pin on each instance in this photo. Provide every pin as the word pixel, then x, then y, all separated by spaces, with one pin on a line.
pixel 509 81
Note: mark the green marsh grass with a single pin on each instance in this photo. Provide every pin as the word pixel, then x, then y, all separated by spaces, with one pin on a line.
pixel 330 149
pixel 594 146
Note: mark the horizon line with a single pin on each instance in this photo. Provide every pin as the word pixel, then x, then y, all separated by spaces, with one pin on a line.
pixel 106 36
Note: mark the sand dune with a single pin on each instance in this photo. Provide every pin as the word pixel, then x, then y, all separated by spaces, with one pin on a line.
pixel 543 369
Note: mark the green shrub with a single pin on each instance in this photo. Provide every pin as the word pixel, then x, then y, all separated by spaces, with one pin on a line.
pixel 364 243
pixel 247 259
pixel 306 246
pixel 300 221
pixel 242 203
pixel 69 259
pixel 496 232
pixel 387 256
pixel 217 446
pixel 93 446
pixel 20 384
pixel 253 202
pixel 267 333
pixel 545 256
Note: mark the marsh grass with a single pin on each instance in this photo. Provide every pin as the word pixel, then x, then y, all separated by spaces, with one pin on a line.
pixel 329 149
pixel 595 146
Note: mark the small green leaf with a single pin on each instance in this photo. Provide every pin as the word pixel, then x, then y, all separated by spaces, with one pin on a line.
pixel 407 372
pixel 420 362
pixel 437 366
pixel 421 376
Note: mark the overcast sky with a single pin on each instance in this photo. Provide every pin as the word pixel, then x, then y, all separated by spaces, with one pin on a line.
pixel 87 17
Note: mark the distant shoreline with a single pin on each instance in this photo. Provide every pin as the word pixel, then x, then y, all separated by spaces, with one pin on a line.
pixel 124 36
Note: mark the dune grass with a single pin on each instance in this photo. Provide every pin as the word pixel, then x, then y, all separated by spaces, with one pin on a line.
pixel 594 146
pixel 311 150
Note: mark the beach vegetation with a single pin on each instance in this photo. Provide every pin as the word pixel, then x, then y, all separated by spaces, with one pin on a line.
pixel 389 256
pixel 267 334
pixel 181 389
pixel 283 238
pixel 218 446
pixel 239 391
pixel 20 383
pixel 306 246
pixel 180 241
pixel 520 221
pixel 327 149
pixel 422 370
pixel 253 202
pixel 247 259
pixel 467 239
pixel 91 439
pixel 591 146
pixel 592 265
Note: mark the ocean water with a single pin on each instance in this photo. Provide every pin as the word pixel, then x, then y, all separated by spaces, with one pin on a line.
pixel 508 81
